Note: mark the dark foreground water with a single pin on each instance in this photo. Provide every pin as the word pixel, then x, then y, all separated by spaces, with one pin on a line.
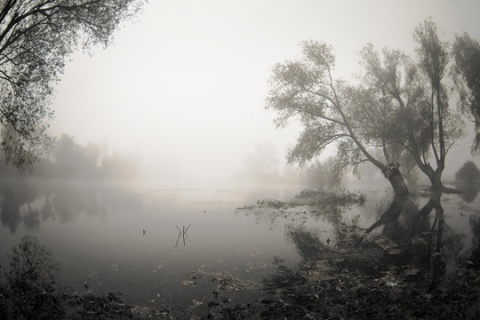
pixel 155 245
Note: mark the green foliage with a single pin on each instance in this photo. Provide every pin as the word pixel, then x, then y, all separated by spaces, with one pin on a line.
pixel 468 172
pixel 36 37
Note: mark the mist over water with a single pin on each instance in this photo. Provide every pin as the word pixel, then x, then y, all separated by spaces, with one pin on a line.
pixel 183 89
pixel 168 181
pixel 128 237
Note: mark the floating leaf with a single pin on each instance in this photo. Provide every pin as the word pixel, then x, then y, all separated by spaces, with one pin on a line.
pixel 197 303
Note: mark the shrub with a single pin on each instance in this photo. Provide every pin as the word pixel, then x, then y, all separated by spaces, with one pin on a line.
pixel 468 172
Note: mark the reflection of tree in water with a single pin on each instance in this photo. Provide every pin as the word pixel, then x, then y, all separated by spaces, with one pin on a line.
pixel 31 203
pixel 31 219
pixel 469 191
pixel 13 195
pixel 419 238
pixel 398 268
pixel 72 200
pixel 307 242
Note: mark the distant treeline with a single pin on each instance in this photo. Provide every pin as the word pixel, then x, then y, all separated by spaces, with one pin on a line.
pixel 69 160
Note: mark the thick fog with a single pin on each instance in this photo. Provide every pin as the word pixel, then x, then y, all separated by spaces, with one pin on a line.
pixel 181 91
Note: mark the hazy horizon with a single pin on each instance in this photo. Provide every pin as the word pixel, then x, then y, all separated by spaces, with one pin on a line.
pixel 183 88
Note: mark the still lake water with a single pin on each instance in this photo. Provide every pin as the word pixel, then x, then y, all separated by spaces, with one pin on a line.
pixel 127 239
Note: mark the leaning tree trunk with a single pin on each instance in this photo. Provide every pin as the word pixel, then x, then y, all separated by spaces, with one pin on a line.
pixel 396 180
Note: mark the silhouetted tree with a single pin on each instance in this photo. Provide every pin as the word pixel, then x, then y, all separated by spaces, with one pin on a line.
pixel 36 36
pixel 402 106
pixel 468 172
pixel 417 91
pixel 307 89
pixel 31 280
pixel 73 161
pixel 29 290
pixel 466 52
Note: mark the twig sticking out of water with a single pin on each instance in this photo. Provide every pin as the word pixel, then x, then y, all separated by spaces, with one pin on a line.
pixel 182 233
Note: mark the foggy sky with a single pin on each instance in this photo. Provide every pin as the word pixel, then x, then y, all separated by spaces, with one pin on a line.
pixel 184 87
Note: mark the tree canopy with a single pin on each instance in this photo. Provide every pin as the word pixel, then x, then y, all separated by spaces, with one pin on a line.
pixel 36 36
pixel 466 52
pixel 401 106
pixel 468 172
pixel 426 125
pixel 330 111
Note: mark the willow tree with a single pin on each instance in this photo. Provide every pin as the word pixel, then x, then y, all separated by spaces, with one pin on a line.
pixel 466 52
pixel 401 108
pixel 36 37
pixel 332 113
pixel 419 90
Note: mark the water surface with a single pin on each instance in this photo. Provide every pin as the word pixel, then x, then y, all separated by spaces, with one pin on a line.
pixel 131 239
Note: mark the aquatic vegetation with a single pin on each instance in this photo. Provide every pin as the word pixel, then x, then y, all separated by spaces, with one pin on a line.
pixel 396 269
pixel 362 284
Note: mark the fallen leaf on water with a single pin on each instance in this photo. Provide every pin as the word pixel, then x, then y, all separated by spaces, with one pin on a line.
pixel 188 283
pixel 197 303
